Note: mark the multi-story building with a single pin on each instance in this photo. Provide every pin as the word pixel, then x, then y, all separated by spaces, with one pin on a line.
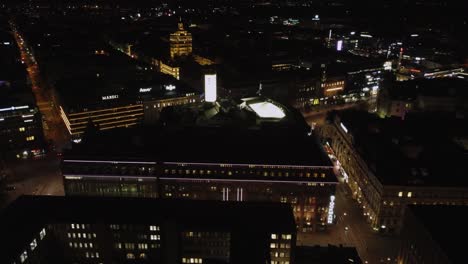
pixel 111 105
pixel 390 163
pixel 432 234
pixel 422 95
pixel 204 163
pixel 20 129
pixel 180 42
pixel 40 229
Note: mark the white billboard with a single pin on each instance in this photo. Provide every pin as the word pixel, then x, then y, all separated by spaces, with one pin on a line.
pixel 339 45
pixel 210 88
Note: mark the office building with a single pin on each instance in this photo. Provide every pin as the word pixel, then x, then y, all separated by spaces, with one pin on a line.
pixel 434 234
pixel 203 161
pixel 109 104
pixel 391 163
pixel 47 229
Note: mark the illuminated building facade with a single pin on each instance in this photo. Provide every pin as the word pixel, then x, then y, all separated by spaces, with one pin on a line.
pixel 122 105
pixel 180 42
pixel 404 165
pixel 170 164
pixel 333 86
pixel 90 230
pixel 174 71
pixel 21 131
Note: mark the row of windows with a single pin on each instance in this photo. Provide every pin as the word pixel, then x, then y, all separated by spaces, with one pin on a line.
pixel 206 234
pixel 409 194
pixel 279 262
pixel 79 226
pixel 280 254
pixel 81 235
pixel 280 245
pixel 132 256
pixel 281 236
pixel 141 246
pixel 92 254
pixel 192 260
pixel 80 245
pixel 243 172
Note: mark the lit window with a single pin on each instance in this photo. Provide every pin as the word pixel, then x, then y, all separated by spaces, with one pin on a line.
pixel 130 256
pixel 33 244
pixel 400 194
pixel 21 129
pixel 155 237
pixel 42 233
pixel 272 245
pixel 73 226
pixel 273 236
pixel 24 256
pixel 410 194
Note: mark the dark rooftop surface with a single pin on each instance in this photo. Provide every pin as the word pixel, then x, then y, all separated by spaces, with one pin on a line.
pixel 447 227
pixel 440 87
pixel 231 145
pixel 29 214
pixel 420 150
pixel 87 91
pixel 326 255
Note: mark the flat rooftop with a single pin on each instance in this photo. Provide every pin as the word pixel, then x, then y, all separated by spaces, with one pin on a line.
pixel 422 150
pixel 226 145
pixel 91 92
pixel 446 226
pixel 440 87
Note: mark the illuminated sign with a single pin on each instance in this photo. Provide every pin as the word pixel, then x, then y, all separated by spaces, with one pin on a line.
pixel 339 45
pixel 169 87
pixel 331 208
pixel 210 87
pixel 110 97
pixel 344 128
pixel 13 108
pixel 145 90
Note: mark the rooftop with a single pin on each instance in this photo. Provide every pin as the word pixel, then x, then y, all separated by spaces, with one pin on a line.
pixel 225 145
pixel 446 226
pixel 96 91
pixel 413 151
pixel 440 87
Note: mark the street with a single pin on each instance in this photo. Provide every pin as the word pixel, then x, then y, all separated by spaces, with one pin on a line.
pixel 372 247
pixel 54 128
pixel 33 177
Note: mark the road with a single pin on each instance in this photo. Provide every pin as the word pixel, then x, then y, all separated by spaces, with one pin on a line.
pixel 317 117
pixel 372 247
pixel 33 177
pixel 54 128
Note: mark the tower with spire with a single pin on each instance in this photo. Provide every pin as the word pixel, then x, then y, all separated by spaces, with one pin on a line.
pixel 180 42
